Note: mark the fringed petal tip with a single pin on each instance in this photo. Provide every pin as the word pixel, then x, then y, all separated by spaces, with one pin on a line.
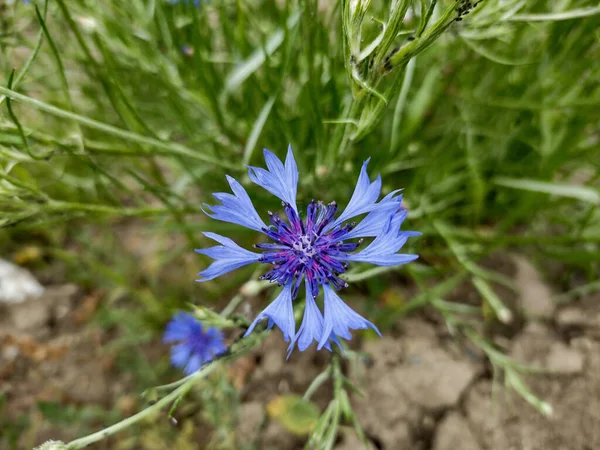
pixel 339 319
pixel 235 208
pixel 227 257
pixel 279 179
pixel 279 312
pixel 311 328
pixel 364 198
pixel 382 250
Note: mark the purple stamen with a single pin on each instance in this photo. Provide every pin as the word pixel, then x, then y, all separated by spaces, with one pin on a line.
pixel 304 249
pixel 324 218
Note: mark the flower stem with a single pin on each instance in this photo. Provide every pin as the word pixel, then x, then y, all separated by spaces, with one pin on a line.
pixel 168 148
pixel 87 440
pixel 354 277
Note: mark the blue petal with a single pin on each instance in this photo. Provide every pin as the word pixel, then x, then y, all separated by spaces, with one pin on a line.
pixel 312 324
pixel 228 257
pixel 382 251
pixel 180 355
pixel 340 318
pixel 279 180
pixel 387 260
pixel 216 345
pixel 215 338
pixel 181 327
pixel 363 198
pixel 205 355
pixel 280 313
pixel 237 208
pixel 196 345
pixel 194 364
pixel 373 224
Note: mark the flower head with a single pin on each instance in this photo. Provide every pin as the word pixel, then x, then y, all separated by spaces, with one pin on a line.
pixel 195 345
pixel 187 50
pixel 316 248
pixel 52 445
pixel 195 2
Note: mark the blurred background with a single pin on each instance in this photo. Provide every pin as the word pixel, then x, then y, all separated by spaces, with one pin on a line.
pixel 119 119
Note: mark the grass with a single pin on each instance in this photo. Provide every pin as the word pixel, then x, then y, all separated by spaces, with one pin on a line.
pixel 126 116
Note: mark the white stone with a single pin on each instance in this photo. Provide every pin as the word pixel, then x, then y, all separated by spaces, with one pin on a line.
pixel 17 284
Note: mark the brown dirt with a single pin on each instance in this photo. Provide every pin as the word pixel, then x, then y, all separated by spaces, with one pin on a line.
pixel 423 389
pixel 48 355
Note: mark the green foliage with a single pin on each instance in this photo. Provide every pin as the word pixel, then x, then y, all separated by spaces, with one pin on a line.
pixel 11 427
pixel 296 414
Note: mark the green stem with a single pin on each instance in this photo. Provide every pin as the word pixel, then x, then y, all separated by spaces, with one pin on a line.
pixel 168 387
pixel 31 58
pixel 87 440
pixel 428 37
pixel 238 349
pixel 354 277
pixel 59 206
pixel 172 147
pixel 317 382
pixel 235 301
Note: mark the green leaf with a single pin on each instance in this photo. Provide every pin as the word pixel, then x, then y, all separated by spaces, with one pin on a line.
pixel 256 59
pixel 257 129
pixel 565 15
pixel 296 414
pixel 578 192
pixel 503 314
pixel 173 148
pixel 55 412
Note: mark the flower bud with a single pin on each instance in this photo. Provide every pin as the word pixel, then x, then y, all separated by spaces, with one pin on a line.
pixel 52 445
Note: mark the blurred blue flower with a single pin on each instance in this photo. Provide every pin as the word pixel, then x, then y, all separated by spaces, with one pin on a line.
pixel 187 50
pixel 195 2
pixel 195 345
pixel 316 249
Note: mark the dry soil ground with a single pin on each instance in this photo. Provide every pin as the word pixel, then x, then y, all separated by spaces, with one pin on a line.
pixel 424 390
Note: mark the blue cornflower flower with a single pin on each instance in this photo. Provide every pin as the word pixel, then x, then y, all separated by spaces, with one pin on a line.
pixel 316 249
pixel 195 2
pixel 187 50
pixel 195 344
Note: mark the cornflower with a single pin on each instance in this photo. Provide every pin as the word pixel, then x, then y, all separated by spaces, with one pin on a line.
pixel 195 345
pixel 316 249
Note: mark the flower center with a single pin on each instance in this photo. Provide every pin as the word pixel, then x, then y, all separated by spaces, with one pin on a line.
pixel 311 249
pixel 303 247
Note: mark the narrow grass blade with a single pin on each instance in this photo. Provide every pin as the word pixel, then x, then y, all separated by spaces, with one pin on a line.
pixel 256 59
pixel 480 49
pixel 582 193
pixel 566 15
pixel 399 109
pixel 170 147
pixel 31 58
pixel 257 129
pixel 503 314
